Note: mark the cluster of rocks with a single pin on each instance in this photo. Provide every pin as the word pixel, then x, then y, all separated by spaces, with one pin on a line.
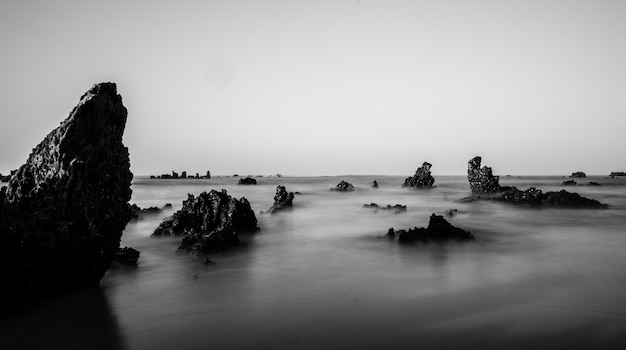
pixel 398 208
pixel 421 179
pixel 183 175
pixel 247 181
pixel 438 230
pixel 63 211
pixel 617 173
pixel 210 222
pixel 485 186
pixel 343 186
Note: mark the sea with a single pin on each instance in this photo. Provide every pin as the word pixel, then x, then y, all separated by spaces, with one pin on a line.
pixel 324 275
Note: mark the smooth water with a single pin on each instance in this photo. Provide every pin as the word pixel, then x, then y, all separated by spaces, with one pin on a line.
pixel 323 276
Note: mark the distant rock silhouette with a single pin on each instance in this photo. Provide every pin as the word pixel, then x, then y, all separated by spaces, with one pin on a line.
pixel 578 174
pixel 282 200
pixel 438 230
pixel 343 186
pixel 63 212
pixel 568 183
pixel 138 212
pixel 375 184
pixel 395 208
pixel 247 181
pixel 422 177
pixel 210 222
pixel 485 186
pixel 617 173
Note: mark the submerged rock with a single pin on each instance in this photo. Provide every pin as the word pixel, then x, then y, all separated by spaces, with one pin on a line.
pixel 422 177
pixel 486 187
pixel 343 186
pixel 210 222
pixel 568 183
pixel 247 181
pixel 395 208
pixel 282 200
pixel 482 179
pixel 63 212
pixel 439 230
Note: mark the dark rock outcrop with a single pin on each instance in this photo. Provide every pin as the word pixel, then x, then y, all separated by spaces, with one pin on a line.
pixel 395 208
pixel 568 183
pixel 126 257
pixel 422 177
pixel 139 212
pixel 485 186
pixel 482 179
pixel 617 173
pixel 343 186
pixel 375 184
pixel 282 200
pixel 593 183
pixel 63 212
pixel 578 174
pixel 247 181
pixel 210 222
pixel 438 230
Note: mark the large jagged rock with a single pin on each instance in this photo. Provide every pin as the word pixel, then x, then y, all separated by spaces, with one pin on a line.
pixel 482 179
pixel 63 212
pixel 439 230
pixel 282 200
pixel 422 177
pixel 210 222
pixel 485 186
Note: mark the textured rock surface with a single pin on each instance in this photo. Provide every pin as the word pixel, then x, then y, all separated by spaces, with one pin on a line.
pixel 247 181
pixel 282 200
pixel 485 186
pixel 210 222
pixel 343 186
pixel 439 229
pixel 63 212
pixel 422 177
pixel 482 179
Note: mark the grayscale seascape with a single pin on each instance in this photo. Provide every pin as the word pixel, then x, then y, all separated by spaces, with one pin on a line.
pixel 325 276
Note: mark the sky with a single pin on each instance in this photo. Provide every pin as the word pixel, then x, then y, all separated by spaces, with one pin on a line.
pixel 327 87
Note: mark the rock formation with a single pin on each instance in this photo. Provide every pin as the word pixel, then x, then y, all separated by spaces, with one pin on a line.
pixel 63 212
pixel 126 257
pixel 343 187
pixel 247 181
pixel 568 183
pixel 439 229
pixel 210 222
pixel 422 177
pixel 485 186
pixel 578 174
pixel 481 179
pixel 374 184
pixel 395 208
pixel 138 212
pixel 282 200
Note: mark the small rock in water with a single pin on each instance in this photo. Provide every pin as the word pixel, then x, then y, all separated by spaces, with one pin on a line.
pixel 578 174
pixel 210 222
pixel 395 208
pixel 343 186
pixel 247 181
pixel 282 200
pixel 422 177
pixel 438 230
pixel 568 183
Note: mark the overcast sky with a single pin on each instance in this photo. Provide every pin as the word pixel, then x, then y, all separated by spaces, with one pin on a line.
pixel 327 87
